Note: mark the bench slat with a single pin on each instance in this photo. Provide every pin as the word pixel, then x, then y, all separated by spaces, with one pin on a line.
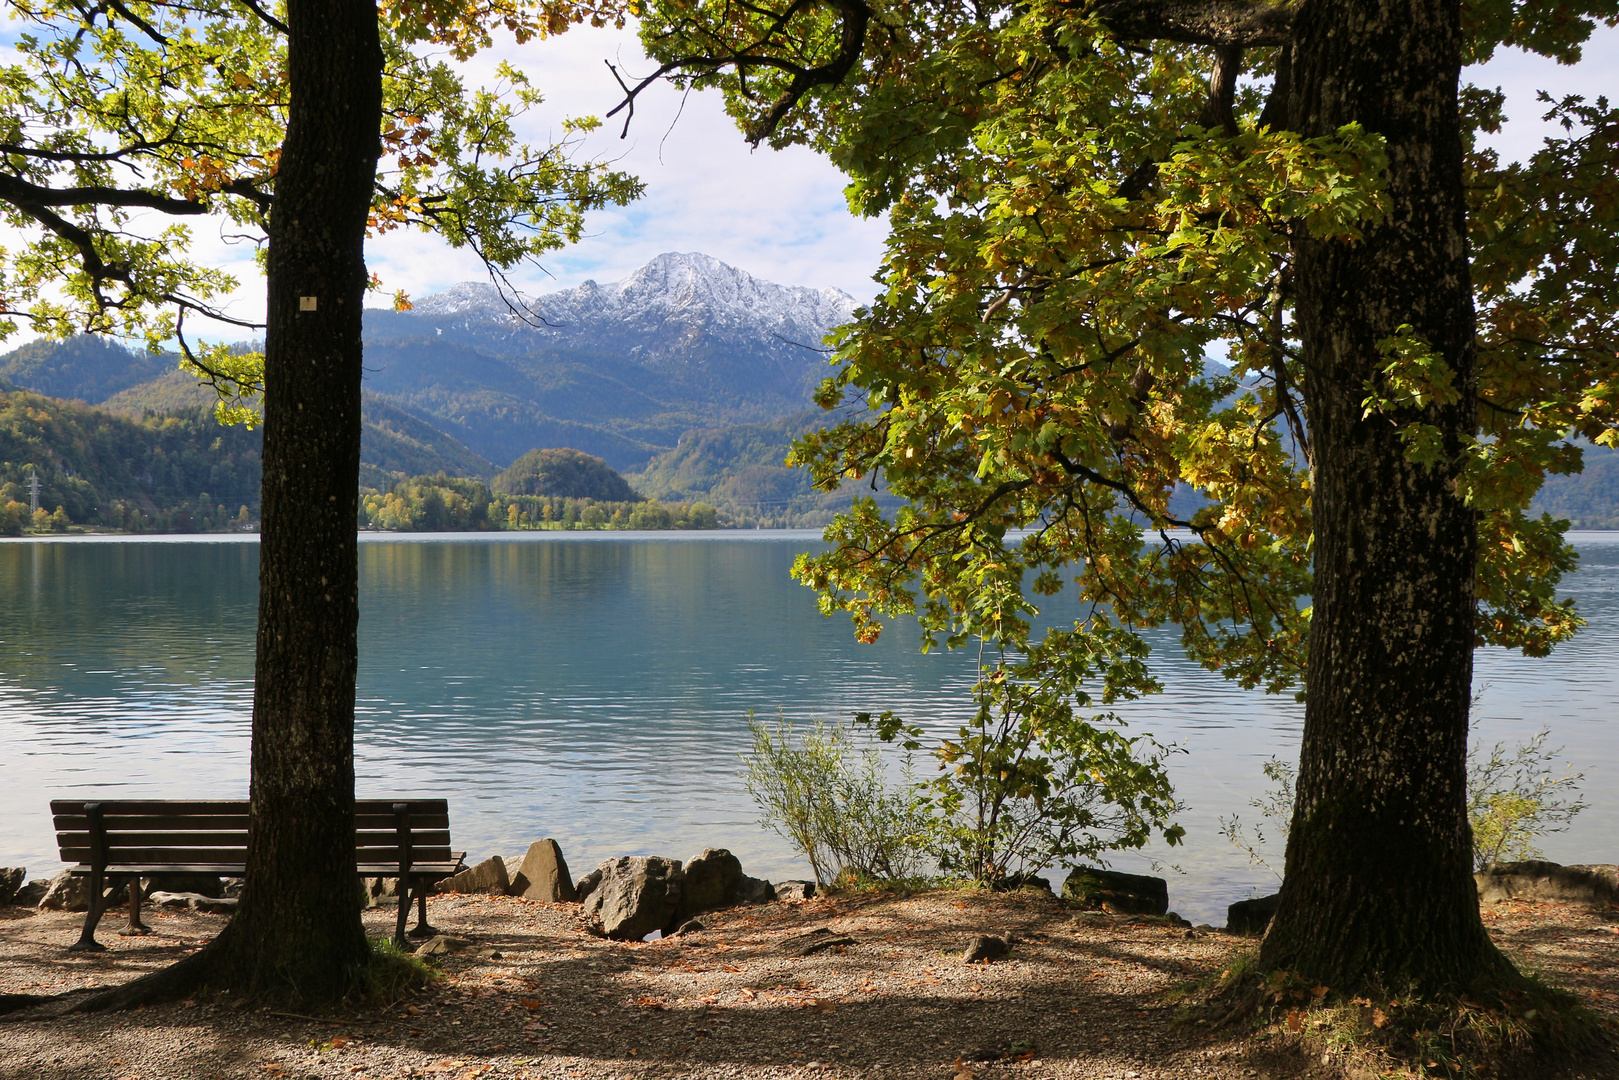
pixel 122 822
pixel 382 807
pixel 443 869
pixel 118 856
pixel 118 840
pixel 371 823
pixel 152 806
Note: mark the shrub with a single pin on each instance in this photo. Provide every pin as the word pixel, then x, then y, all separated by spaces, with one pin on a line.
pixel 832 801
pixel 1512 799
pixel 1030 782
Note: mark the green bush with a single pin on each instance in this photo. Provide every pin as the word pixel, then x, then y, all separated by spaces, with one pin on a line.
pixel 1513 799
pixel 1030 782
pixel 832 802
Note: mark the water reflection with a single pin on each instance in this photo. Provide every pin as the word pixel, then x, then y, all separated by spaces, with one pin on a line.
pixel 595 687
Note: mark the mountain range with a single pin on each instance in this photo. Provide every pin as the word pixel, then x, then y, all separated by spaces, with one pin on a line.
pixel 690 376
pixel 621 370
pixel 472 378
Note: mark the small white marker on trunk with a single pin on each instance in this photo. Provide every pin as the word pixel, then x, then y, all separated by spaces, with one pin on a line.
pixel 306 303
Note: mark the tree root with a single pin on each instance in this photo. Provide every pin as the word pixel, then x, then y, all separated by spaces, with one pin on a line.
pixel 166 984
pixel 1519 1026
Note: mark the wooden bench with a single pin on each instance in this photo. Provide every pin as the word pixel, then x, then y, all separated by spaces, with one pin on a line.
pixel 112 841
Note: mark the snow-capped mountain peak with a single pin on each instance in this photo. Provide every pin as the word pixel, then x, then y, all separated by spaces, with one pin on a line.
pixel 694 290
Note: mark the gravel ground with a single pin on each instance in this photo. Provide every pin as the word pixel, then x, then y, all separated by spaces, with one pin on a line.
pixel 1081 997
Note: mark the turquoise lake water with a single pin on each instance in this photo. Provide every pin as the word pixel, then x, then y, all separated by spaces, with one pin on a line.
pixel 594 687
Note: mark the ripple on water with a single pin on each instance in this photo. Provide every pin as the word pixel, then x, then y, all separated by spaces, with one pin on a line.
pixel 596 688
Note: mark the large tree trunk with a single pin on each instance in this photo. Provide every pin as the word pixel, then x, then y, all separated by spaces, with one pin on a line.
pixel 298 928
pixel 1378 890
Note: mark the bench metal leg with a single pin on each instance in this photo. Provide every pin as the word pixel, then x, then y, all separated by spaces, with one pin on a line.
pixel 422 929
pixel 87 936
pixel 136 928
pixel 404 913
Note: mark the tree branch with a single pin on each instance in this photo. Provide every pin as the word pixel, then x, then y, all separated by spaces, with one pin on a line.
pixel 269 20
pixel 1201 22
pixel 22 194
pixel 854 17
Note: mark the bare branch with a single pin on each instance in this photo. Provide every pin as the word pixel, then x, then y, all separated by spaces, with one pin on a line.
pixel 26 196
pixel 854 17
pixel 269 20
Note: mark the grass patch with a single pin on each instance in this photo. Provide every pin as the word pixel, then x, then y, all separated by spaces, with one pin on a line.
pixel 1526 1027
pixel 391 973
pixel 850 883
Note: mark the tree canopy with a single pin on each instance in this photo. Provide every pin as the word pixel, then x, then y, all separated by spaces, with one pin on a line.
pixel 1225 315
pixel 125 126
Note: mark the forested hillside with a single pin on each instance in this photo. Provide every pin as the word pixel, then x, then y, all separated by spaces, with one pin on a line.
pixel 179 473
pixel 740 470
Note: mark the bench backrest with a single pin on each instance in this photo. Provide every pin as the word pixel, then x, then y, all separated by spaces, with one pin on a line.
pixel 201 836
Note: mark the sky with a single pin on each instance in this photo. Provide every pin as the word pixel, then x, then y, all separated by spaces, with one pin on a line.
pixel 779 215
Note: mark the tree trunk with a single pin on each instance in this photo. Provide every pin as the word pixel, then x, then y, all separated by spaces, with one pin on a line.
pixel 298 928
pixel 1378 892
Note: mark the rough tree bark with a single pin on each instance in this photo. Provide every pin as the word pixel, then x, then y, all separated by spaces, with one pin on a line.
pixel 297 933
pixel 299 921
pixel 1378 890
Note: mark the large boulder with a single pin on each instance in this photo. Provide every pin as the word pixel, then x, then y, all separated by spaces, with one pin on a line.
pixel 1120 894
pixel 713 880
pixel 11 879
pixel 209 885
pixel 543 875
pixel 1592 885
pixel 67 891
pixel 587 884
pixel 787 891
pixel 32 893
pixel 637 894
pixel 488 876
pixel 1252 916
pixel 752 890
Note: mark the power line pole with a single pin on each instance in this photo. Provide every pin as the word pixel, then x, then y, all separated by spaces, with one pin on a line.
pixel 33 490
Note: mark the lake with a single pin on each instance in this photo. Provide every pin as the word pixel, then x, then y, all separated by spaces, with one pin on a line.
pixel 595 687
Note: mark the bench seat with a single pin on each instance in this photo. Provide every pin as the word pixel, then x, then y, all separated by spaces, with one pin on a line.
pixel 112 841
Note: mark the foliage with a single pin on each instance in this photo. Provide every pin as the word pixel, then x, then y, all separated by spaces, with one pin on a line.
pixel 1025 784
pixel 831 801
pixel 1076 225
pixel 1028 782
pixel 565 472
pixel 1513 798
